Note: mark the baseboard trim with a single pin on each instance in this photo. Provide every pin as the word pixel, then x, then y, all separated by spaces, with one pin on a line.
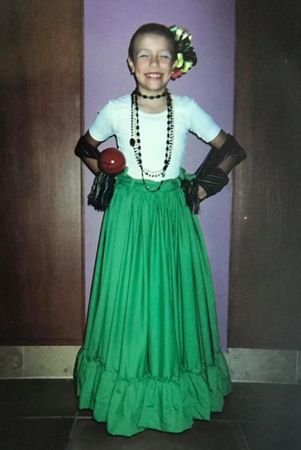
pixel 246 365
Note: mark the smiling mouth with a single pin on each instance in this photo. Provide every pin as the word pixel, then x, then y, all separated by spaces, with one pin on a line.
pixel 153 75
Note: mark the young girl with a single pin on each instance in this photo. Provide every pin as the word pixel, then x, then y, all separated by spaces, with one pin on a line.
pixel 151 356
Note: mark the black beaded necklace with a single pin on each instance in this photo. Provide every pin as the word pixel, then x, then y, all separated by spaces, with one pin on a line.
pixel 151 97
pixel 135 140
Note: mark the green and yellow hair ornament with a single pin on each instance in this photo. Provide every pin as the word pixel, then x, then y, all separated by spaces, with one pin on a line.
pixel 186 56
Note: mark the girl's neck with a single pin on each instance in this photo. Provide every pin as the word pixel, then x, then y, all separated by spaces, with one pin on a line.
pixel 152 106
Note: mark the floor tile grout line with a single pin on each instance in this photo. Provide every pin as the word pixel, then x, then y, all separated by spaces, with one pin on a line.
pixel 12 418
pixel 71 434
pixel 242 437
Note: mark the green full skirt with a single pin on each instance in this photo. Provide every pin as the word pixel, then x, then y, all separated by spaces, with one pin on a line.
pixel 151 356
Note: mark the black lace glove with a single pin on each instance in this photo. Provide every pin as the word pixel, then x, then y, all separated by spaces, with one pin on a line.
pixel 103 185
pixel 102 191
pixel 85 150
pixel 212 183
pixel 212 173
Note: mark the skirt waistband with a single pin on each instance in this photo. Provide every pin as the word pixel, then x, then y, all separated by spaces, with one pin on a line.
pixel 170 184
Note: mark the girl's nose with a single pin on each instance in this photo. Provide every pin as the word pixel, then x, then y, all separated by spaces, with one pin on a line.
pixel 154 61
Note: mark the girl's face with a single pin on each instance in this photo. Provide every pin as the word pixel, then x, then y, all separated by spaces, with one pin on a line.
pixel 152 63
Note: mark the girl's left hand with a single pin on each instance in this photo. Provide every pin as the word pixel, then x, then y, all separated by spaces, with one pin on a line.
pixel 202 193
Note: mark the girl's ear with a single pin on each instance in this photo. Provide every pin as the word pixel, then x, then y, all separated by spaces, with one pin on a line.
pixel 131 65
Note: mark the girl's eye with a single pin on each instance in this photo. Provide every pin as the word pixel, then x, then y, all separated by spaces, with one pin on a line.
pixel 165 55
pixel 142 55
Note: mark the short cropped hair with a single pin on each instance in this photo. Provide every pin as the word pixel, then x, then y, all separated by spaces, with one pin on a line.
pixel 154 28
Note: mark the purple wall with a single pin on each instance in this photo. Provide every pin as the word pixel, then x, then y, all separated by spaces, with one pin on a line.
pixel 108 28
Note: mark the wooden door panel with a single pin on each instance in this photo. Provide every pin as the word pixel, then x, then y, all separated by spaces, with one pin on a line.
pixel 41 246
pixel 265 285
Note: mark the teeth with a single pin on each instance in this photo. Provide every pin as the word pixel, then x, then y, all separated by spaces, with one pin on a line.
pixel 153 75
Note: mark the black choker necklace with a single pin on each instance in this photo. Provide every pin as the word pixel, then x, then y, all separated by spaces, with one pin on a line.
pixel 151 97
pixel 135 140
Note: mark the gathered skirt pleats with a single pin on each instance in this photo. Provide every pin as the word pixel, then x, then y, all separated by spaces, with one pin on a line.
pixel 151 356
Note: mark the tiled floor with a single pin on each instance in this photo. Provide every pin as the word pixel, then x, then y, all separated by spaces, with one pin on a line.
pixel 42 415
